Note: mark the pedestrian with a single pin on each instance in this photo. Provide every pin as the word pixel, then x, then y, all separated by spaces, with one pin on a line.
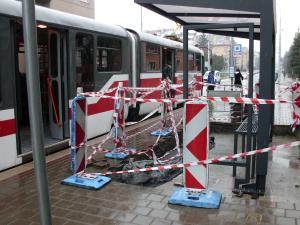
pixel 211 80
pixel 238 78
pixel 167 73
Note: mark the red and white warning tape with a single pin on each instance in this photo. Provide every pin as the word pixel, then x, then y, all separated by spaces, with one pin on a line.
pixel 240 100
pixel 203 162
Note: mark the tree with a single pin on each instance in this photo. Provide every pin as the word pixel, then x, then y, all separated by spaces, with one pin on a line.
pixel 218 62
pixel 173 37
pixel 202 43
pixel 291 60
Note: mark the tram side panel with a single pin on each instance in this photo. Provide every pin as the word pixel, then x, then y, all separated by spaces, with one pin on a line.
pixel 8 138
pixel 110 65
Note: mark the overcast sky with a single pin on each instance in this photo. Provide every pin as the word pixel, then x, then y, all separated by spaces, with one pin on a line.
pixel 128 14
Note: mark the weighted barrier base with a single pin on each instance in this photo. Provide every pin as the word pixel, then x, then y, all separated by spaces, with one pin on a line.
pixel 93 184
pixel 162 133
pixel 120 153
pixel 206 199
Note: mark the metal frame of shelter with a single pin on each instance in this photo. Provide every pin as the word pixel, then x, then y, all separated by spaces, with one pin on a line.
pixel 252 19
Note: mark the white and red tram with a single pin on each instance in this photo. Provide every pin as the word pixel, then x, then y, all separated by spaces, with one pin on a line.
pixel 73 52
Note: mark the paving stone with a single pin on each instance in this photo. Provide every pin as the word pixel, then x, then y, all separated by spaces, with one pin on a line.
pixel 92 210
pixel 293 213
pixel 74 223
pixel 267 218
pixel 285 205
pixel 76 216
pixel 158 213
pixel 19 222
pixel 125 217
pixel 266 204
pixel 90 219
pixel 276 212
pixel 106 221
pixel 297 206
pixel 108 213
pixel 58 221
pixel 142 202
pixel 285 221
pixel 156 205
pixel 175 216
pixel 142 220
pixel 155 197
pixel 160 222
pixel 142 210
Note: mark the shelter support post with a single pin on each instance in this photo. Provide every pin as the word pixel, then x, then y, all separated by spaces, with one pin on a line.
pixel 266 91
pixel 35 110
pixel 185 63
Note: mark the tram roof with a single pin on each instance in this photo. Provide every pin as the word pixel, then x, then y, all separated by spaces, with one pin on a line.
pixel 165 42
pixel 14 8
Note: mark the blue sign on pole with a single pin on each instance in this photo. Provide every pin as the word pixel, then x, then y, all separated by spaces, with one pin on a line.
pixel 237 49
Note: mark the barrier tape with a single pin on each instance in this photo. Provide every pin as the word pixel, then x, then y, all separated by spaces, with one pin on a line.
pixel 296 119
pixel 238 100
pixel 143 89
pixel 203 162
pixel 102 92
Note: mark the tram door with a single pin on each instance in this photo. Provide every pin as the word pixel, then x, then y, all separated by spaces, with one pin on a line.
pixel 168 57
pixel 54 83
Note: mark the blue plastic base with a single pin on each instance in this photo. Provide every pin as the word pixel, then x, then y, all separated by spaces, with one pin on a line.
pixel 93 184
pixel 120 155
pixel 162 133
pixel 207 199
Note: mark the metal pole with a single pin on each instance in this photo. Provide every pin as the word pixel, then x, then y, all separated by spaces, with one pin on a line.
pixel 250 95
pixel 141 19
pixel 185 63
pixel 208 56
pixel 35 109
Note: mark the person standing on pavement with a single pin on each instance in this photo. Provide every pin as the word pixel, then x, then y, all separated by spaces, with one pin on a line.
pixel 211 80
pixel 238 78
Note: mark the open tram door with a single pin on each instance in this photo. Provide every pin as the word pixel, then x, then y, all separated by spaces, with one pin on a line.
pixel 53 79
pixel 56 70
pixel 168 58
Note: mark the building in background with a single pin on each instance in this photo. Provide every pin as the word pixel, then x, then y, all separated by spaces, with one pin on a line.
pixel 84 8
pixel 242 60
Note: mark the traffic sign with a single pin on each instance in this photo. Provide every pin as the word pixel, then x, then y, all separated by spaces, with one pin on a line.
pixel 237 50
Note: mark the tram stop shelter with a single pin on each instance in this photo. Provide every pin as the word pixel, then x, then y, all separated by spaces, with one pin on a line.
pixel 252 19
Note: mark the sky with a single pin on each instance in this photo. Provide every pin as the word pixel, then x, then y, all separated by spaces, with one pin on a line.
pixel 128 14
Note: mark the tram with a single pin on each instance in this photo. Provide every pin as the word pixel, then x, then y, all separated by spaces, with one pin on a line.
pixel 73 52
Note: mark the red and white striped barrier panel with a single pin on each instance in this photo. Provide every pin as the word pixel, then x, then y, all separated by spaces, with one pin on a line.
pixel 79 135
pixel 203 162
pixel 195 144
pixel 296 106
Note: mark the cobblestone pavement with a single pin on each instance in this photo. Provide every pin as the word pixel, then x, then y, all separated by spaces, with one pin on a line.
pixel 119 203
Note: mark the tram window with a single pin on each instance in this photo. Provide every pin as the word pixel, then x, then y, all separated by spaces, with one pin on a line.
pixel 179 60
pixel 151 57
pixel 191 61
pixel 108 54
pixel 198 62
pixel 84 61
